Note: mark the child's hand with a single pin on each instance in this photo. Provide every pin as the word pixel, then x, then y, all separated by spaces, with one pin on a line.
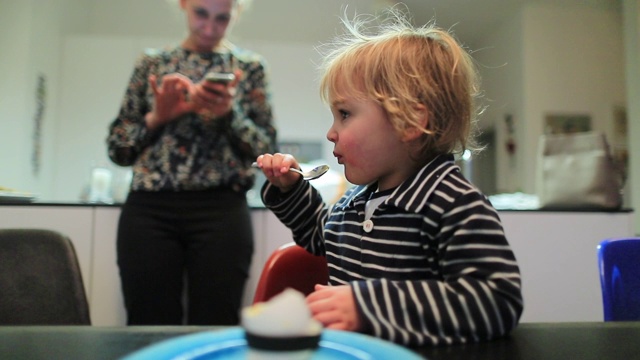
pixel 276 168
pixel 334 307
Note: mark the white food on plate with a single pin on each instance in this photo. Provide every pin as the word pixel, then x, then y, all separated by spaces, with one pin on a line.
pixel 284 315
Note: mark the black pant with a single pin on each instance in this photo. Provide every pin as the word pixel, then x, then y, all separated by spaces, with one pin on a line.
pixel 164 238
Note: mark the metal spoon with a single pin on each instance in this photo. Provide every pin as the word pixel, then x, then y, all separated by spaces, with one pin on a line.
pixel 314 173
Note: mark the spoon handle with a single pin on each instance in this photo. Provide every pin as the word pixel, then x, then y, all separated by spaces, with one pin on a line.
pixel 255 165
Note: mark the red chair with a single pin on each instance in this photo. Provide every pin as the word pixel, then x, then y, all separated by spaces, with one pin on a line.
pixel 291 266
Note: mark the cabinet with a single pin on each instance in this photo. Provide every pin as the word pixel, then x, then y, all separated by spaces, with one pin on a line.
pixel 107 308
pixel 556 252
pixel 557 255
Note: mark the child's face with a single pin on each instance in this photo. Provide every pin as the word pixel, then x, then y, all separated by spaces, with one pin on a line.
pixel 366 144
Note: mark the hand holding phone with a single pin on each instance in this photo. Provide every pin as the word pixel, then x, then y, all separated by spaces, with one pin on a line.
pixel 213 95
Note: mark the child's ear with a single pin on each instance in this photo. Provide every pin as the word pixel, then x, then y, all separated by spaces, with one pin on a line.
pixel 415 131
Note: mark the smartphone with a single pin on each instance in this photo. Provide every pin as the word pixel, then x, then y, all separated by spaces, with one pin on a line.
pixel 217 77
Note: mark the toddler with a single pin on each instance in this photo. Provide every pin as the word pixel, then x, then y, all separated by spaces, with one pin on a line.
pixel 417 255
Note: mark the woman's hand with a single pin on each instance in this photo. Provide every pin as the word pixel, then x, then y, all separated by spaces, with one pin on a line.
pixel 334 307
pixel 276 168
pixel 171 100
pixel 214 99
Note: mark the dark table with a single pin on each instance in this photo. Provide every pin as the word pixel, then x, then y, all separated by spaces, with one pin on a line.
pixel 548 341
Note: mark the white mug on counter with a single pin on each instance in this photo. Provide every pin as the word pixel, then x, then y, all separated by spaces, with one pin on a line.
pixel 100 185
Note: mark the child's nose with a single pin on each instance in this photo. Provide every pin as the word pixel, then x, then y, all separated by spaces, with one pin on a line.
pixel 332 135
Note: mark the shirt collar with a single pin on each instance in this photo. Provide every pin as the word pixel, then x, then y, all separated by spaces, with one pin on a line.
pixel 413 193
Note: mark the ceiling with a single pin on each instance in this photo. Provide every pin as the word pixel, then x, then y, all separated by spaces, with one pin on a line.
pixel 318 20
pixel 472 19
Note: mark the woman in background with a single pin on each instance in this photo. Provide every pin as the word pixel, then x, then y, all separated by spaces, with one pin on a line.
pixel 191 143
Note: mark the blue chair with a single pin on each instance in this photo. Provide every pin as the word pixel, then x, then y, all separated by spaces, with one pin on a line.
pixel 619 263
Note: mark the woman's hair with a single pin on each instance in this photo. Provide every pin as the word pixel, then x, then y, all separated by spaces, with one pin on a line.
pixel 240 5
pixel 400 67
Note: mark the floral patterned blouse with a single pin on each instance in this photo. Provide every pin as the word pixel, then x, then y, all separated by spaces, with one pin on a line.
pixel 189 153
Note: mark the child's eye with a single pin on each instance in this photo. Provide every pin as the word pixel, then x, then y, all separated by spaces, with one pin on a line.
pixel 344 114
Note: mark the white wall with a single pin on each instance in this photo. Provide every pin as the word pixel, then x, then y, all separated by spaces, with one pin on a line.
pixel 31 40
pixel 520 65
pixel 631 11
pixel 573 64
pixel 15 124
pixel 501 66
pixel 549 59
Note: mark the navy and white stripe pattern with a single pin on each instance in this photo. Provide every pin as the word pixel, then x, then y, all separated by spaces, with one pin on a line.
pixel 435 268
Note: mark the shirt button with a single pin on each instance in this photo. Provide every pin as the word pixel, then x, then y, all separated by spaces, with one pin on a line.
pixel 367 226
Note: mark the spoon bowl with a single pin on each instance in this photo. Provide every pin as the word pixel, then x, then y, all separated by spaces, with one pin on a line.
pixel 314 173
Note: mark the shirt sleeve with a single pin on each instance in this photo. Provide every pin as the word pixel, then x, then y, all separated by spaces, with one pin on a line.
pixel 128 134
pixel 251 124
pixel 302 210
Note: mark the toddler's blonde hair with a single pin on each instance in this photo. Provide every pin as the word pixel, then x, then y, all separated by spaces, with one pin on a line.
pixel 400 66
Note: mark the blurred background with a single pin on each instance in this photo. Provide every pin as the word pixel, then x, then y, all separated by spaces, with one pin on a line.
pixel 65 65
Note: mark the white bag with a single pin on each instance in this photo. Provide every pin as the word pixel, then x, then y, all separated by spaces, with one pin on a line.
pixel 576 171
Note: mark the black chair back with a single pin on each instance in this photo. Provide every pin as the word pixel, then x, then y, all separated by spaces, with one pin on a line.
pixel 40 279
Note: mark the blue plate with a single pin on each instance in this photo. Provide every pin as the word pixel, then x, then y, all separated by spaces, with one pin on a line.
pixel 231 344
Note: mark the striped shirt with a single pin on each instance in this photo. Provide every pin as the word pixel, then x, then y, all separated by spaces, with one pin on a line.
pixel 431 266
